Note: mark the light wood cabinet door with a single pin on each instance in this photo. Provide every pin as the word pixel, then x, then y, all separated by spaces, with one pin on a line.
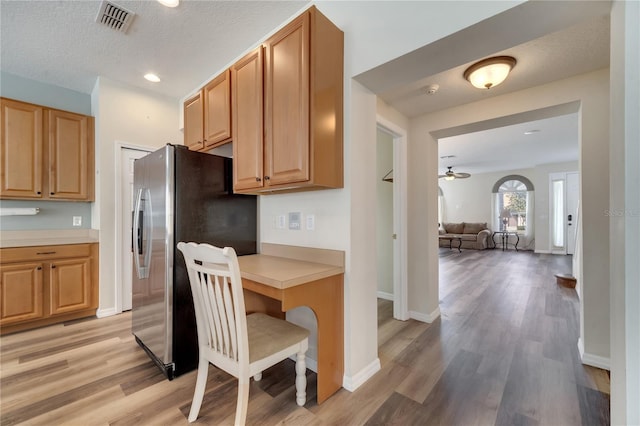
pixel 287 104
pixel 70 285
pixel 217 110
pixel 194 122
pixel 21 292
pixel 247 115
pixel 21 151
pixel 68 136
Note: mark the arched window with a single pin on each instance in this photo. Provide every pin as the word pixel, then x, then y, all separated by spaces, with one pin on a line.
pixel 513 204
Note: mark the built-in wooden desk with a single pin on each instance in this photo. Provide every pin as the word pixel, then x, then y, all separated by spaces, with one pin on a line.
pixel 287 277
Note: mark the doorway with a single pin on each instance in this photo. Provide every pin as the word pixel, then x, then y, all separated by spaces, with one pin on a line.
pixel 126 156
pixel 394 244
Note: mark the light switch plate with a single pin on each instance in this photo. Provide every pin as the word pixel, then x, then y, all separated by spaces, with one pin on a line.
pixel 281 221
pixel 294 221
pixel 77 221
pixel 311 222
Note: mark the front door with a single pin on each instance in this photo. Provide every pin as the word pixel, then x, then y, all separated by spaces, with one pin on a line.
pixel 573 194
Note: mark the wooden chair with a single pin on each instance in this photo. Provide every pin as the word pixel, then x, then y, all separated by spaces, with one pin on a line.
pixel 242 345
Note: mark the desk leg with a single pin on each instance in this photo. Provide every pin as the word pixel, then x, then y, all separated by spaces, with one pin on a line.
pixel 325 298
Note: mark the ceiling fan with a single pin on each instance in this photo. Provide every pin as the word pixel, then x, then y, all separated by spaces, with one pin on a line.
pixel 451 175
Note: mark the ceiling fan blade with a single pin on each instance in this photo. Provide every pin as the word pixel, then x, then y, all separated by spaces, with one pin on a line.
pixel 441 176
pixel 461 175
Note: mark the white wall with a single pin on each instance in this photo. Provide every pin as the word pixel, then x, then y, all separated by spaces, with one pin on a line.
pixel 131 115
pixel 384 211
pixel 469 200
pixel 592 90
pixel 625 206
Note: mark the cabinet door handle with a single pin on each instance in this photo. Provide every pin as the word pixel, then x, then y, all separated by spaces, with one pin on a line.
pixel 258 179
pixel 46 252
pixel 53 266
pixel 39 268
pixel 267 178
pixel 39 193
pixel 52 193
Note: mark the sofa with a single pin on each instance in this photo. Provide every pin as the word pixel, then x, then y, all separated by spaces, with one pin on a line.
pixel 473 235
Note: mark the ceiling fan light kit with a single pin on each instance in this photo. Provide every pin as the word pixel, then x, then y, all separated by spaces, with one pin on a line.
pixel 489 72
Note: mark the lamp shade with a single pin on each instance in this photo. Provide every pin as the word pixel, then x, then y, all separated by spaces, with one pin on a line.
pixel 489 72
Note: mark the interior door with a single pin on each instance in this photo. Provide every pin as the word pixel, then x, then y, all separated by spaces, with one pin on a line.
pixel 573 195
pixel 128 156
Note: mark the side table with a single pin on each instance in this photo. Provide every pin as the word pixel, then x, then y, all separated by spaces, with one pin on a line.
pixel 504 238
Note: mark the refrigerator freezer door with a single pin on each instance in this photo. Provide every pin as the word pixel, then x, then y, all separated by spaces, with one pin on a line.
pixel 152 314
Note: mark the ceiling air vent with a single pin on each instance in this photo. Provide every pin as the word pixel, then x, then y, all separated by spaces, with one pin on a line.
pixel 115 17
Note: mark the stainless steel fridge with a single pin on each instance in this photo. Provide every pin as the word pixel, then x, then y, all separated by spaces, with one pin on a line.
pixel 181 195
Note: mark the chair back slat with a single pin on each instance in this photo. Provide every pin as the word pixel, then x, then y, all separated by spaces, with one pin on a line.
pixel 217 292
pixel 233 333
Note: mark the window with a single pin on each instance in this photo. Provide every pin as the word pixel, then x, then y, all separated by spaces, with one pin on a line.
pixel 512 205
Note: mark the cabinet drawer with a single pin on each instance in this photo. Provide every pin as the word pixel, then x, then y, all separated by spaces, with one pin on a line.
pixel 21 254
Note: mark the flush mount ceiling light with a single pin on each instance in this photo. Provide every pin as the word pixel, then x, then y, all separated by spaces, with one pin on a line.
pixel 152 78
pixel 489 72
pixel 169 3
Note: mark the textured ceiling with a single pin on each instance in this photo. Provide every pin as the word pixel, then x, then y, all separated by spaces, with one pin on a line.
pixel 554 140
pixel 575 50
pixel 59 42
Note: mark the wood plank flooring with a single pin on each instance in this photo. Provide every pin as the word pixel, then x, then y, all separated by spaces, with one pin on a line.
pixel 504 352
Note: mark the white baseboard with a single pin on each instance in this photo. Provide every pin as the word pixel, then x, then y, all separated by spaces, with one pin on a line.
pixel 351 383
pixel 384 295
pixel 593 360
pixel 428 318
pixel 101 313
pixel 542 251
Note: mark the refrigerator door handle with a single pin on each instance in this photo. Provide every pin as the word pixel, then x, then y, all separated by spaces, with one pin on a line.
pixel 142 210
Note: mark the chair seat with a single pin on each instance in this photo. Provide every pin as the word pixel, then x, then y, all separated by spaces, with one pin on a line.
pixel 269 335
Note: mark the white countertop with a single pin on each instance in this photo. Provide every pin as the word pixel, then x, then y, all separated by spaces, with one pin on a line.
pixel 47 237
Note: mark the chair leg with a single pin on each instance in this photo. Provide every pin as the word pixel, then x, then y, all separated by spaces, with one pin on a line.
pixel 258 377
pixel 301 379
pixel 198 394
pixel 243 402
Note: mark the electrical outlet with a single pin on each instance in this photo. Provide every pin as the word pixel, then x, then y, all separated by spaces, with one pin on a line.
pixel 281 221
pixel 77 221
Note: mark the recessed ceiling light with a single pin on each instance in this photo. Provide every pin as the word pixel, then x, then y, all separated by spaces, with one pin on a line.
pixel 152 78
pixel 530 132
pixel 169 3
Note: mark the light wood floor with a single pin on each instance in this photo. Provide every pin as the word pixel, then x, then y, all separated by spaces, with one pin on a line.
pixel 503 352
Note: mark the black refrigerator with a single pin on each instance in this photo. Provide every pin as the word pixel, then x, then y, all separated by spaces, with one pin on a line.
pixel 180 195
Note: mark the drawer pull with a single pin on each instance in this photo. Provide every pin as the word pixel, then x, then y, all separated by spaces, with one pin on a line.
pixel 46 252
pixel 39 268
pixel 53 266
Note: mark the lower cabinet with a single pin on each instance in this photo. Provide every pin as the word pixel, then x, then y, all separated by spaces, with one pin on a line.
pixel 47 284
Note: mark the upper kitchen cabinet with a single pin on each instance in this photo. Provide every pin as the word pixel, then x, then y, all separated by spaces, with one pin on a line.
pixel 194 122
pixel 70 155
pixel 303 110
pixel 46 153
pixel 21 151
pixel 207 115
pixel 248 120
